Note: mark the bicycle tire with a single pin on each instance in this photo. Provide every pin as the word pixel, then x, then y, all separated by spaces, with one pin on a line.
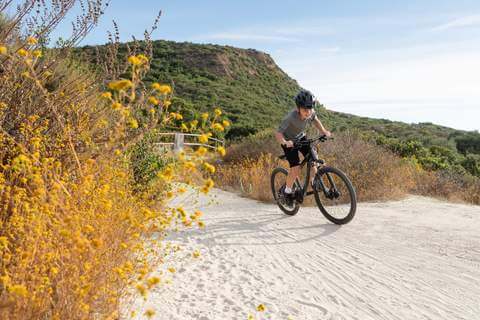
pixel 275 173
pixel 325 171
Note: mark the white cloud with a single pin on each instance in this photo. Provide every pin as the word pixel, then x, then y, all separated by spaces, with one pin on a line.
pixel 466 21
pixel 410 84
pixel 293 33
pixel 307 29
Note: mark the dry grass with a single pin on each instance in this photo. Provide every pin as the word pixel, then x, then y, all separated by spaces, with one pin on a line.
pixel 376 173
pixel 447 185
pixel 249 176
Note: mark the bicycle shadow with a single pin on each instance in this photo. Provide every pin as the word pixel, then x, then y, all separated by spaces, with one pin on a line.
pixel 264 230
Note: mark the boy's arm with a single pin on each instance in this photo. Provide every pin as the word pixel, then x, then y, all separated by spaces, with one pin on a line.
pixel 318 124
pixel 279 133
pixel 281 139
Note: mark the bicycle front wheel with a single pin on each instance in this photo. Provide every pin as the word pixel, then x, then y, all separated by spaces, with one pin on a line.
pixel 335 195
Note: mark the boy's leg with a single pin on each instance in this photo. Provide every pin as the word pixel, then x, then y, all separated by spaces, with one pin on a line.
pixel 292 175
pixel 294 163
pixel 313 170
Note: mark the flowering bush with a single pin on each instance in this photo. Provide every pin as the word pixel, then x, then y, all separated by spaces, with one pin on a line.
pixel 75 232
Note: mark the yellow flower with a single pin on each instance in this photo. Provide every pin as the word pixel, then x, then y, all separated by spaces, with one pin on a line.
pixel 3 50
pixel 153 100
pixel 3 242
pixel 205 116
pixel 37 53
pixel 202 151
pixel 5 280
pixel 97 243
pixel 143 58
pixel 194 124
pixel 226 123
pixel 250 317
pixel 218 127
pixel 149 313
pixel 196 254
pixel 22 52
pixel 32 41
pixel 209 183
pixel 88 229
pixel 138 60
pixel 153 281
pixel 203 138
pixel 119 85
pixel 181 155
pixel 162 88
pixel 260 307
pixel 218 112
pixel 19 290
pixel 189 165
pixel 141 289
pixel 167 103
pixel 209 167
pixel 221 151
pixel 166 174
pixel 201 224
pixel 184 127
pixel 178 116
pixel 107 95
pixel 207 186
pixel 116 106
pixel 132 123
pixel 134 60
pixel 172 270
pixel 181 190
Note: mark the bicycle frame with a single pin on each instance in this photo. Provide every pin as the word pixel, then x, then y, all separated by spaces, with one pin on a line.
pixel 310 160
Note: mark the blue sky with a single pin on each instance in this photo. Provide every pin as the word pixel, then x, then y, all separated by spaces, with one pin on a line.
pixel 411 60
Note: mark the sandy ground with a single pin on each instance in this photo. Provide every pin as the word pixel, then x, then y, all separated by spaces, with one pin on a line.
pixel 418 258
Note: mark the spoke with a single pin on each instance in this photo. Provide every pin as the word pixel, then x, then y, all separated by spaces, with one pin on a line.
pixel 337 207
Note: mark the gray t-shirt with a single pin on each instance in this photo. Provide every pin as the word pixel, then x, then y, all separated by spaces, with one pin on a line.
pixel 292 127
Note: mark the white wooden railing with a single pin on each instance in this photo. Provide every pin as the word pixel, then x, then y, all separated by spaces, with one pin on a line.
pixel 179 141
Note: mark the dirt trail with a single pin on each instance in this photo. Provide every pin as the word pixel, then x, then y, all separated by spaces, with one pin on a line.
pixel 417 258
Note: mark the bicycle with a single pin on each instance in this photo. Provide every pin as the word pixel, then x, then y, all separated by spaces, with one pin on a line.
pixel 331 188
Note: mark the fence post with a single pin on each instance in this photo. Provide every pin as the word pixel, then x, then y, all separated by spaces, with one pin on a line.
pixel 178 143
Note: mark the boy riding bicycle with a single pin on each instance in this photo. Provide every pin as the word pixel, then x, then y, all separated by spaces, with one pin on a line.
pixel 292 128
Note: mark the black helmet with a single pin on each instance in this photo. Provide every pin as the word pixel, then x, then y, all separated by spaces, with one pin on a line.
pixel 305 99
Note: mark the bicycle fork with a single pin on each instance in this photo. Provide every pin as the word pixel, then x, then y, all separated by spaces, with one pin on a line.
pixel 330 193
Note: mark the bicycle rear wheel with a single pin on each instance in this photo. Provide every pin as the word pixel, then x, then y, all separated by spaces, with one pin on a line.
pixel 278 182
pixel 335 195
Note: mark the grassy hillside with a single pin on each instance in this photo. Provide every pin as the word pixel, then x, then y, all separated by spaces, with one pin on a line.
pixel 256 93
pixel 247 84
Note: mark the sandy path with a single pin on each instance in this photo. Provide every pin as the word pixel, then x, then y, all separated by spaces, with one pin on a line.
pixel 413 259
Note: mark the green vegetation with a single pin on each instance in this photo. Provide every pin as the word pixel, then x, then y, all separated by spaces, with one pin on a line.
pixel 246 84
pixel 255 94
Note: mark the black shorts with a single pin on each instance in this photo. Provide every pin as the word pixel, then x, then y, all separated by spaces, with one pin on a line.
pixel 292 155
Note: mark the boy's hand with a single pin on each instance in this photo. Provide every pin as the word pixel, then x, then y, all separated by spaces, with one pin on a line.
pixel 327 133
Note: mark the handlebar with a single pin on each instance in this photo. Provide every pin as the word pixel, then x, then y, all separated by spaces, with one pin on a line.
pixel 300 143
